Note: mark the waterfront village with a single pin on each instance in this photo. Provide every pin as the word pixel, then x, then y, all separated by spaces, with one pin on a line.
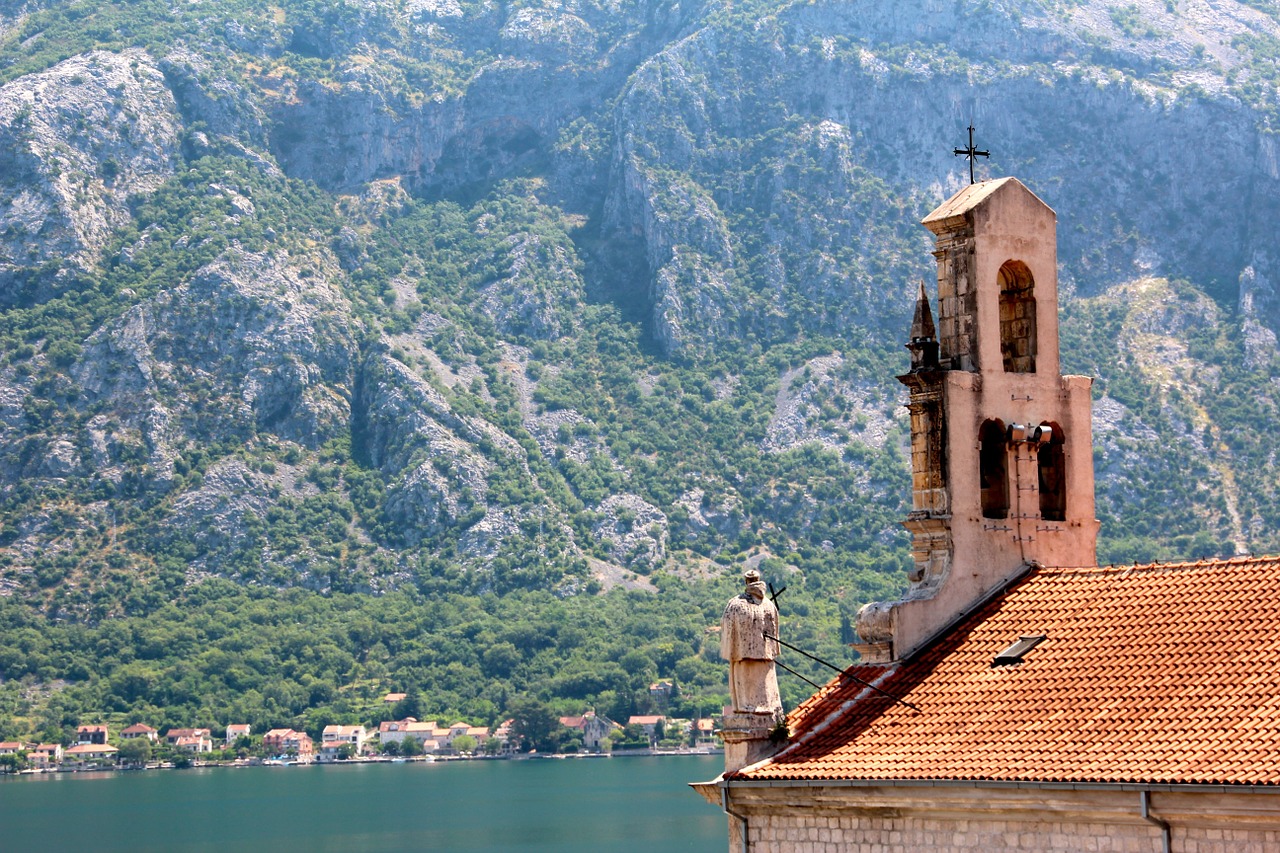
pixel 139 746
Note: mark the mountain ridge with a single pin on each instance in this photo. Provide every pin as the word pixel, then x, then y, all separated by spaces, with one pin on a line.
pixel 583 302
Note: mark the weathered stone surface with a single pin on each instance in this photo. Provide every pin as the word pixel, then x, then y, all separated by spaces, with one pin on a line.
pixel 247 345
pixel 538 296
pixel 76 141
pixel 633 530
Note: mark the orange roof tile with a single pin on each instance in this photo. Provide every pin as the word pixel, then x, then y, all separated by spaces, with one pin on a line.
pixel 1155 673
pixel 90 749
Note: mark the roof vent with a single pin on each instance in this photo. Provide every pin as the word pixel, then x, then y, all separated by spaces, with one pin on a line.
pixel 1015 653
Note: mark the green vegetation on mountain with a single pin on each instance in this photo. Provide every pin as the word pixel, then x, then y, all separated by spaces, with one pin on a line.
pixel 470 350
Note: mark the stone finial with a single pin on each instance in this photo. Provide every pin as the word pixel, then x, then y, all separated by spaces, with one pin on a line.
pixel 924 335
pixel 922 328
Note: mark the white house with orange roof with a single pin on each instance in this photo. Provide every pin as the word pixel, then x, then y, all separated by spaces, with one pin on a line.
pixel 43 756
pixel 235 731
pixel 395 731
pixel 650 723
pixel 139 730
pixel 91 753
pixel 335 737
pixel 504 735
pixel 190 740
pixel 288 742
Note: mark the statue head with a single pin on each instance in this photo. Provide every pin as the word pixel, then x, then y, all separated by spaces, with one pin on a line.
pixel 755 586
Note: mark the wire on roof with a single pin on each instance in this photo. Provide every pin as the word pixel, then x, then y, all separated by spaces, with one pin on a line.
pixel 843 673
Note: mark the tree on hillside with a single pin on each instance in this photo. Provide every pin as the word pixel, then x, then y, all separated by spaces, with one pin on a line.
pixel 135 752
pixel 535 725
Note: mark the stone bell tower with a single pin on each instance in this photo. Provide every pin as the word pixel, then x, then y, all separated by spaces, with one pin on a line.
pixel 1001 447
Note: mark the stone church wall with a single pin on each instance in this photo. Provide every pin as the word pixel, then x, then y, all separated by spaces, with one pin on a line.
pixel 844 834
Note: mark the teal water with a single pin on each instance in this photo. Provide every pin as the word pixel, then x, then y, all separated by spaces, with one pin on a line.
pixel 598 805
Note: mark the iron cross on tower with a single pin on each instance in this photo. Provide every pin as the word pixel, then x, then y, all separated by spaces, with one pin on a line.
pixel 970 153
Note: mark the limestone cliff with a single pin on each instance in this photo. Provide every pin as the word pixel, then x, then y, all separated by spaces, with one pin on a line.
pixel 345 295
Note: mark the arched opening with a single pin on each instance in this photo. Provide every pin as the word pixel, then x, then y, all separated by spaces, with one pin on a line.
pixel 1053 475
pixel 993 470
pixel 1017 318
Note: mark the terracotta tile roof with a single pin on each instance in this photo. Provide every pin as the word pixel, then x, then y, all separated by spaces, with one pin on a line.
pixel 137 729
pixel 1155 673
pixel 90 749
pixel 176 733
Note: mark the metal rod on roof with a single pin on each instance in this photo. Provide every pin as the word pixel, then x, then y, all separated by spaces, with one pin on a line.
pixel 768 636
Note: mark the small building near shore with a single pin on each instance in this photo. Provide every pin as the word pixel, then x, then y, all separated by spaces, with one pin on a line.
pixel 595 729
pixel 650 724
pixel 44 756
pixel 139 730
pixel 91 753
pixel 335 737
pixel 95 734
pixel 190 740
pixel 282 742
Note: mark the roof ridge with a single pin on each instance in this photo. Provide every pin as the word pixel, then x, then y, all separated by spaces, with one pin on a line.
pixel 1121 568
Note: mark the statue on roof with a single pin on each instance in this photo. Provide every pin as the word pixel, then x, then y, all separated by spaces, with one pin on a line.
pixel 748 640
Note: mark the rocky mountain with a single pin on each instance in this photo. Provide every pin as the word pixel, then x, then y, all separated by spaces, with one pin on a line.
pixel 363 296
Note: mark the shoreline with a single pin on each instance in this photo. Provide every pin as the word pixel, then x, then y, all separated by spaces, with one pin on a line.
pixel 376 759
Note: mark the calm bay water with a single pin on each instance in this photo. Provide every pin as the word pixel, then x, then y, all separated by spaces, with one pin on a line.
pixel 607 804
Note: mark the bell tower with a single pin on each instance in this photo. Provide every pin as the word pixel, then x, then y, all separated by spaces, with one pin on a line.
pixel 1001 444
